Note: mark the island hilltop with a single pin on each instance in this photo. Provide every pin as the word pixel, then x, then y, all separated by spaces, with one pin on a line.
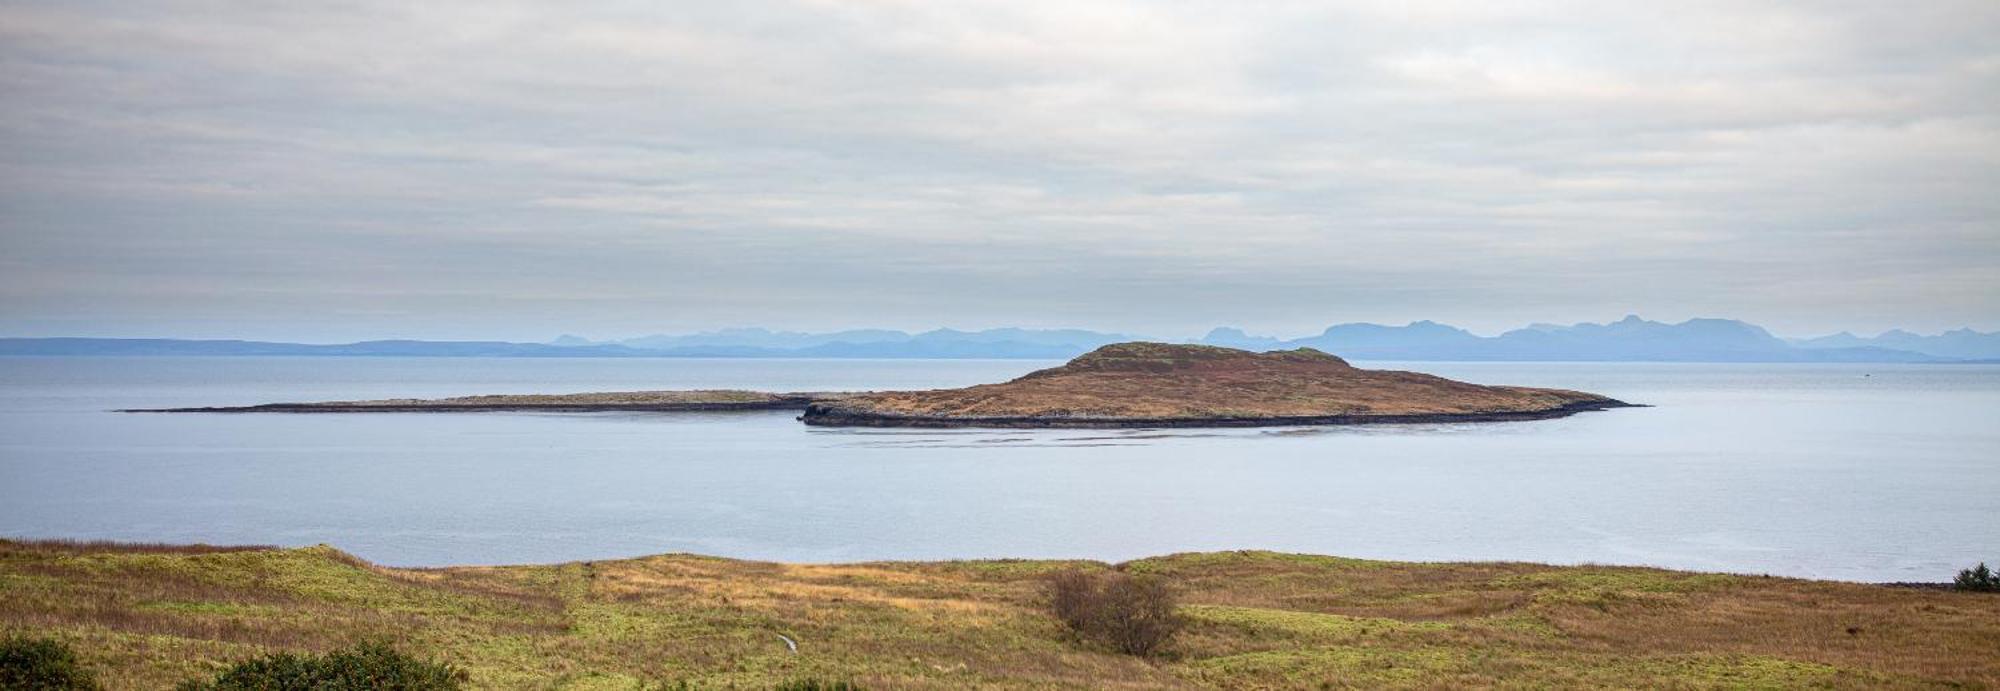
pixel 1170 385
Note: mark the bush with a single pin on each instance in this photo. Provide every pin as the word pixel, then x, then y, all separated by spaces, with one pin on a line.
pixel 1131 614
pixel 41 664
pixel 1977 579
pixel 367 666
pixel 817 685
pixel 1072 596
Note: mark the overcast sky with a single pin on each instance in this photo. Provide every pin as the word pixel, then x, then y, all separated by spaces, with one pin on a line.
pixel 335 171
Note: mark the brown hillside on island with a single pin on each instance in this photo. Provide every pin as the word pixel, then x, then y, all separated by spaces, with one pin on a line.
pixel 1159 384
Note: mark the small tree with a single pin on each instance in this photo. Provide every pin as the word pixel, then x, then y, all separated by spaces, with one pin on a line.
pixel 1132 614
pixel 1072 597
pixel 1977 579
pixel 1137 614
pixel 42 664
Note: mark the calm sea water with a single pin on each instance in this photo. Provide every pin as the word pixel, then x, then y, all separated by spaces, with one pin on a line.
pixel 1860 472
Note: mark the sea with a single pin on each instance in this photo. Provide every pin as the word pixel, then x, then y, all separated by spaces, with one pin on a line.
pixel 1858 472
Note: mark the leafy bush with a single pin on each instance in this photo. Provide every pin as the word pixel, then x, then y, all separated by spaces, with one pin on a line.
pixel 41 664
pixel 1134 615
pixel 1977 579
pixel 368 666
pixel 817 685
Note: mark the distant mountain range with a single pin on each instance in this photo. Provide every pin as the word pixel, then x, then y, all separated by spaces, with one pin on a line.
pixel 733 343
pixel 1004 343
pixel 1628 339
pixel 170 346
pixel 1963 343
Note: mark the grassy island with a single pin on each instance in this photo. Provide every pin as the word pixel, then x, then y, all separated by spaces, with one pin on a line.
pixel 1170 385
pixel 152 616
pixel 1120 385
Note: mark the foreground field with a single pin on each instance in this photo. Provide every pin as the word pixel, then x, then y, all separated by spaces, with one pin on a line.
pixel 148 617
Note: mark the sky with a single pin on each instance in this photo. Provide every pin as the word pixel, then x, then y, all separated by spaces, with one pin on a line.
pixel 494 169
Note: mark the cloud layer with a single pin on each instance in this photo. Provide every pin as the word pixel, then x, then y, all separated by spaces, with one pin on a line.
pixel 514 169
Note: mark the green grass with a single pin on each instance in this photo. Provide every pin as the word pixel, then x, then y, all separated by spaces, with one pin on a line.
pixel 154 617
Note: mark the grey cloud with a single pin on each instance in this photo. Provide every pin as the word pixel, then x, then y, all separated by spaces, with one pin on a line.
pixel 516 169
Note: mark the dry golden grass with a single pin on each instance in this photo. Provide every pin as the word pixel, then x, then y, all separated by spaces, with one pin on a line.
pixel 146 617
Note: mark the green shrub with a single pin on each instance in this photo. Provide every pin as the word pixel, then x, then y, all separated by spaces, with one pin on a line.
pixel 1978 579
pixel 369 666
pixel 1134 615
pixel 817 685
pixel 41 664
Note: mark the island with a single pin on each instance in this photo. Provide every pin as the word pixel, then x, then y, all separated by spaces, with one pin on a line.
pixel 1177 385
pixel 1136 384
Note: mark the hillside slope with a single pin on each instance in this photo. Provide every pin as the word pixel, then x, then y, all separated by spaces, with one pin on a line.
pixel 150 616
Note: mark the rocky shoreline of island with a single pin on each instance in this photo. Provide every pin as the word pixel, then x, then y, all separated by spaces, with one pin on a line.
pixel 833 414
